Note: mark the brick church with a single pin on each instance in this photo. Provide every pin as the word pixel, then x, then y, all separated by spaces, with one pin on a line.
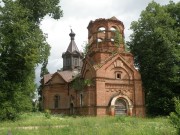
pixel 115 86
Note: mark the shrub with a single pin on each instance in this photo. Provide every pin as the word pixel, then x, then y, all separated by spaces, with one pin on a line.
pixel 47 114
pixel 175 116
pixel 8 112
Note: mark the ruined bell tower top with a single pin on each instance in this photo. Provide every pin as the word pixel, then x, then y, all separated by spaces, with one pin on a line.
pixel 104 37
pixel 102 21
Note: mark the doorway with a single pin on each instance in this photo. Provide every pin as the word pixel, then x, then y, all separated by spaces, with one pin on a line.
pixel 120 107
pixel 71 109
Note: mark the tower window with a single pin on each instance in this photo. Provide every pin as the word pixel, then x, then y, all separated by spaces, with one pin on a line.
pixel 118 75
pixel 112 39
pixel 68 61
pixel 102 29
pixel 112 29
pixel 99 40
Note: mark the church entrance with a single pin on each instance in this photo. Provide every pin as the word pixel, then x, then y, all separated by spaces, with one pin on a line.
pixel 120 107
pixel 71 109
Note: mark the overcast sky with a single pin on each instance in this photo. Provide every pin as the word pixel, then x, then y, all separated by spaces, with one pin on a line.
pixel 77 15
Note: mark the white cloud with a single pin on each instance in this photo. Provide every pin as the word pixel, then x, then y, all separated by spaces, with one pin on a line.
pixel 77 14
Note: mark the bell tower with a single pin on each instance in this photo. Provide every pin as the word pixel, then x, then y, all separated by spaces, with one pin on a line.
pixel 105 38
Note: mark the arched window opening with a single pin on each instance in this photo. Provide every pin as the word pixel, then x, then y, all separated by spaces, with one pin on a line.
pixel 102 29
pixel 56 101
pixel 81 100
pixel 99 40
pixel 112 39
pixel 120 107
pixel 43 102
pixel 118 75
pixel 68 61
pixel 76 62
pixel 113 29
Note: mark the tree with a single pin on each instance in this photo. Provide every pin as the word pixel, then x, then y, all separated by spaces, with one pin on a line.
pixel 40 8
pixel 155 45
pixel 22 47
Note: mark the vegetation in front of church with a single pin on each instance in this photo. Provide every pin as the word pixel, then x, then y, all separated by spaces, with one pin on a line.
pixel 39 124
pixel 175 116
pixel 118 38
pixel 155 46
pixel 79 83
pixel 22 47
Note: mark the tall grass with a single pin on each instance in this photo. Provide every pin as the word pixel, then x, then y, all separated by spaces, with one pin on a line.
pixel 38 124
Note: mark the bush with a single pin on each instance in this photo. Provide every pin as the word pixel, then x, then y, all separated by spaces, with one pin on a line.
pixel 47 114
pixel 175 116
pixel 8 112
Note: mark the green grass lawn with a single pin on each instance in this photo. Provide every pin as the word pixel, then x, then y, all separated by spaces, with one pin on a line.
pixel 38 124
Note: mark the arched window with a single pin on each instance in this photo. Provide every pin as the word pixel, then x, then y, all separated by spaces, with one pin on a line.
pixel 76 62
pixel 56 101
pixel 99 40
pixel 113 29
pixel 112 39
pixel 118 75
pixel 102 29
pixel 81 99
pixel 68 61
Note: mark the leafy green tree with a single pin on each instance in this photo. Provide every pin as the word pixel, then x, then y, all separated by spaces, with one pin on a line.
pixel 40 8
pixel 22 47
pixel 155 45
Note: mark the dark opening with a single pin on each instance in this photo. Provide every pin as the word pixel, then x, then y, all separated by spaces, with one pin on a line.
pixel 118 76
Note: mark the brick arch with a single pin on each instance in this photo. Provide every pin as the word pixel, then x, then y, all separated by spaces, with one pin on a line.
pixel 97 26
pixel 117 27
pixel 111 27
pixel 129 104
pixel 101 26
pixel 126 99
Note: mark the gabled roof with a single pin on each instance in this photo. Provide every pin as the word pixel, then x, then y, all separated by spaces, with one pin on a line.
pixel 113 58
pixel 46 78
pixel 66 75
